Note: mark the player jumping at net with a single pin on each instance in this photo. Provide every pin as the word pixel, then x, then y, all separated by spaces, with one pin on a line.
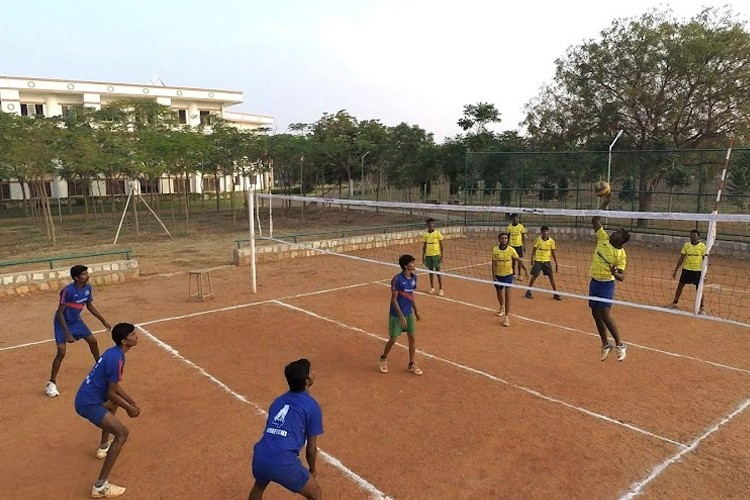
pixel 691 255
pixel 97 401
pixel 607 266
pixel 542 254
pixel 293 418
pixel 433 253
pixel 68 325
pixel 517 235
pixel 503 258
pixel 403 313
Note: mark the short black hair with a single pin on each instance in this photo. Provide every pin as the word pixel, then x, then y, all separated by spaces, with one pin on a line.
pixel 545 228
pixel 514 216
pixel 77 270
pixel 430 219
pixel 503 233
pixel 696 232
pixel 121 331
pixel 404 260
pixel 297 373
pixel 625 236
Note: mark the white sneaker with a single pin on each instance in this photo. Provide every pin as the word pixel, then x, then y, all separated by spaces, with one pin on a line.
pixel 506 321
pixel 102 452
pixel 432 290
pixel 51 390
pixel 605 351
pixel 622 351
pixel 440 292
pixel 107 490
pixel 500 312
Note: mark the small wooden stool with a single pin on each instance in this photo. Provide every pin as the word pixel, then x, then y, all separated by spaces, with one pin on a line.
pixel 202 285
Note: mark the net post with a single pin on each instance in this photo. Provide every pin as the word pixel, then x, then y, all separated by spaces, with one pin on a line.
pixel 710 239
pixel 251 211
pixel 711 236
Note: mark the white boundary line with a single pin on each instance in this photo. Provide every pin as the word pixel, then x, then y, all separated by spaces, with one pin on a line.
pixel 568 328
pixel 647 307
pixel 362 483
pixel 637 488
pixel 490 376
pixel 381 282
pixel 210 311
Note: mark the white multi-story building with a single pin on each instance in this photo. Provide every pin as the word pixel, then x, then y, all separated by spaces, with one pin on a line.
pixel 193 106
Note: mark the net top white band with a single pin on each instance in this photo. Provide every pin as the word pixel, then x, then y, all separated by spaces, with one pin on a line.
pixel 618 214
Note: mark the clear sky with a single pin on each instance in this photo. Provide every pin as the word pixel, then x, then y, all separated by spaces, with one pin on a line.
pixel 416 61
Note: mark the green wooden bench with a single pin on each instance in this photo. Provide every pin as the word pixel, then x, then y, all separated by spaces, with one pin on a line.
pixel 52 260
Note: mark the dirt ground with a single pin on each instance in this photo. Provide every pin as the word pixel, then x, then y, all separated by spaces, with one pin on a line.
pixel 526 412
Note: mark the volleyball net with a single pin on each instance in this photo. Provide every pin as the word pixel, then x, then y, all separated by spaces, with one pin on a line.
pixel 380 232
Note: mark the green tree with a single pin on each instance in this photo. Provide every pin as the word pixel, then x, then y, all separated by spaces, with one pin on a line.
pixel 29 148
pixel 738 184
pixel 664 81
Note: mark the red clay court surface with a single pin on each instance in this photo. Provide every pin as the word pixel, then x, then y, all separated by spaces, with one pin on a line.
pixel 522 412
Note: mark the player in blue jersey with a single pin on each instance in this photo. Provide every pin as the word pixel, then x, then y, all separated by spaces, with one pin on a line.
pixel 294 417
pixel 68 325
pixel 97 401
pixel 403 312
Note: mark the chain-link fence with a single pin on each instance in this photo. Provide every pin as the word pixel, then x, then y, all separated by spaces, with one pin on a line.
pixel 657 181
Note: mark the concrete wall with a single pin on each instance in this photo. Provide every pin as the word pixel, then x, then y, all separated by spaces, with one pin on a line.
pixel 282 251
pixel 26 282
pixel 275 253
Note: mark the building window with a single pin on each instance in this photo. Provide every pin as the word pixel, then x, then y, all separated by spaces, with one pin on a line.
pixel 149 186
pixel 78 188
pixel 182 116
pixel 69 112
pixel 209 184
pixel 115 186
pixel 180 185
pixel 32 109
pixel 205 117
pixel 5 190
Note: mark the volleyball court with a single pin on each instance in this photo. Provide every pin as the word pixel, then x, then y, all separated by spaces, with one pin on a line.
pixel 527 411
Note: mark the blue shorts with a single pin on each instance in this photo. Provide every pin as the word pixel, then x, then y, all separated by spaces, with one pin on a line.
pixel 78 330
pixel 92 413
pixel 603 289
pixel 503 279
pixel 293 477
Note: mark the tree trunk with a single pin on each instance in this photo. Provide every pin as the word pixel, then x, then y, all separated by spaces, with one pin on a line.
pixel 134 202
pixel 187 203
pixel 48 214
pixel 231 202
pixel 21 183
pixel 111 183
pixel 645 195
pixel 217 189
pixel 70 202
pixel 171 201
pixel 203 197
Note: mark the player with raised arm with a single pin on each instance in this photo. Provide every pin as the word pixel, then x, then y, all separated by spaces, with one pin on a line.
pixel 607 266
